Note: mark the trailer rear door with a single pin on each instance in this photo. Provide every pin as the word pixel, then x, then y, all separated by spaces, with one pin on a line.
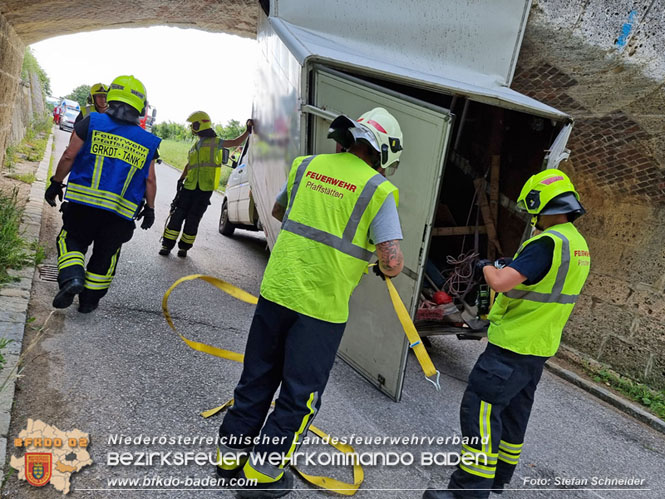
pixel 374 343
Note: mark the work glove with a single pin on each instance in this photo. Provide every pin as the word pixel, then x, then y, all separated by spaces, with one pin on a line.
pixel 377 270
pixel 478 269
pixel 250 125
pixel 148 216
pixel 54 190
pixel 181 182
pixel 502 262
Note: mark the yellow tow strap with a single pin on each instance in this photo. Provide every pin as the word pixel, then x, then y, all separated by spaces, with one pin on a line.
pixel 344 488
pixel 415 343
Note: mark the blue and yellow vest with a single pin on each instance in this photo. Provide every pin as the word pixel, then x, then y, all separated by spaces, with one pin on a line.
pixel 111 168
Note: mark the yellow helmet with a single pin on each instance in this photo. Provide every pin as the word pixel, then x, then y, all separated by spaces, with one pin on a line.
pixel 550 192
pixel 200 121
pixel 129 90
pixel 99 88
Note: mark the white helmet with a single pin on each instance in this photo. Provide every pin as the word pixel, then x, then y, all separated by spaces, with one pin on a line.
pixel 378 128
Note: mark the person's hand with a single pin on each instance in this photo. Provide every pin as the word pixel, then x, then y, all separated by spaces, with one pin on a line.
pixel 148 216
pixel 377 270
pixel 54 190
pixel 478 268
pixel 250 125
pixel 180 183
pixel 502 262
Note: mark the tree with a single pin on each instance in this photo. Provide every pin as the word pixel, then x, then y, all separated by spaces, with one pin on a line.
pixel 80 94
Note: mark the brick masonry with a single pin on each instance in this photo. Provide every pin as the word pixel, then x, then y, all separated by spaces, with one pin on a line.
pixel 571 59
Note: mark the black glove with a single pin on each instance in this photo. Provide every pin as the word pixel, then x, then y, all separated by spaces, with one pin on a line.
pixel 502 262
pixel 148 216
pixel 250 125
pixel 377 270
pixel 181 182
pixel 54 190
pixel 478 269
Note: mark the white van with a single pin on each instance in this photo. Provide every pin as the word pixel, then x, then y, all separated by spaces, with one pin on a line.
pixel 238 208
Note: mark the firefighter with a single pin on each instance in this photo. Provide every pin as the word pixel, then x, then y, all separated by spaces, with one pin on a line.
pixel 538 290
pixel 96 101
pixel 196 184
pixel 111 165
pixel 336 210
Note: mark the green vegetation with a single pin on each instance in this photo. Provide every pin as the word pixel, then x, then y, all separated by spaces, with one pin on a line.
pixel 32 146
pixel 30 65
pixel 27 178
pixel 174 152
pixel 39 252
pixel 653 400
pixel 3 344
pixel 13 253
pixel 79 94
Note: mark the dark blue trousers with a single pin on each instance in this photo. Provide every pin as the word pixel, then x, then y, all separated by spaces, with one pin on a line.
pixel 495 409
pixel 285 350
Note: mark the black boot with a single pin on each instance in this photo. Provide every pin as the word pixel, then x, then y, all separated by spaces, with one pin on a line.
pixel 67 292
pixel 182 253
pixel 164 251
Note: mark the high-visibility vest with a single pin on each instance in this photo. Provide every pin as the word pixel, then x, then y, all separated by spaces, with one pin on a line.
pixel 529 319
pixel 323 248
pixel 205 164
pixel 85 111
pixel 110 170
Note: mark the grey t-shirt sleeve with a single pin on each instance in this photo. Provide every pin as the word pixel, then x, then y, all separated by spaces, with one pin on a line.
pixel 282 198
pixel 386 226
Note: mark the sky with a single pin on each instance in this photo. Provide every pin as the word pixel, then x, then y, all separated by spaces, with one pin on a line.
pixel 183 70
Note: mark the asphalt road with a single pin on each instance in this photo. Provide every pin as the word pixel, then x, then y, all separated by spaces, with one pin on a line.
pixel 122 371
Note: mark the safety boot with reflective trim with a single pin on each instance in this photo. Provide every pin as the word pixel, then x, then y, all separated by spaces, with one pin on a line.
pixel 69 290
pixel 164 251
pixel 266 490
pixel 439 494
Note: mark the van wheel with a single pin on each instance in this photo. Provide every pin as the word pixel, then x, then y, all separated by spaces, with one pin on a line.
pixel 226 228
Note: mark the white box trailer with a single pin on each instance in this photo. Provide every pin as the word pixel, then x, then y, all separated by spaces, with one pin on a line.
pixel 443 69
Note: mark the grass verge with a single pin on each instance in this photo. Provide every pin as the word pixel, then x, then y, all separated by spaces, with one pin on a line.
pixel 651 399
pixel 27 178
pixel 13 254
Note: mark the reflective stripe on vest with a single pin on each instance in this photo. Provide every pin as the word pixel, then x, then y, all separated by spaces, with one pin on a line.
pixel 530 318
pixel 556 296
pixel 111 169
pixel 205 164
pixel 322 251
pixel 344 243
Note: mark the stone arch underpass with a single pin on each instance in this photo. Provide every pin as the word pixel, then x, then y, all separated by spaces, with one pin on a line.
pixel 601 61
pixel 24 22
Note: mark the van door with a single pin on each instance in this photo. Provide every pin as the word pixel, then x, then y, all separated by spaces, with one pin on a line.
pixel 374 343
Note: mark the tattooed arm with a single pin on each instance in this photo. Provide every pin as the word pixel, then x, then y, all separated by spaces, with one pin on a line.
pixel 391 259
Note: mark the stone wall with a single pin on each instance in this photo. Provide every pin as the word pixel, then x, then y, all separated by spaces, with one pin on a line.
pixel 11 58
pixel 602 61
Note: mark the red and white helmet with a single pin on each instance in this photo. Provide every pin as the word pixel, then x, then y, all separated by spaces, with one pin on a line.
pixel 377 128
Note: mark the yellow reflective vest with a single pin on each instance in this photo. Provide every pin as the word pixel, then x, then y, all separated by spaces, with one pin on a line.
pixel 529 319
pixel 323 248
pixel 205 164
